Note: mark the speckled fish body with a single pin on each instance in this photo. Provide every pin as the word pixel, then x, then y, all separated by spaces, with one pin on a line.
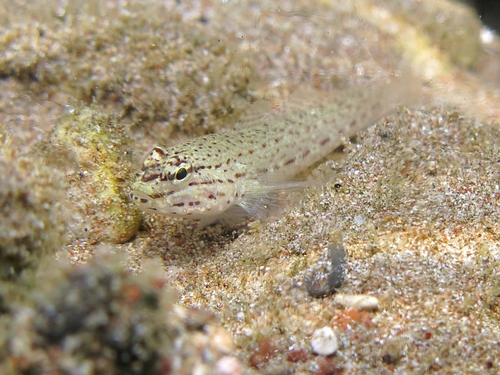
pixel 246 167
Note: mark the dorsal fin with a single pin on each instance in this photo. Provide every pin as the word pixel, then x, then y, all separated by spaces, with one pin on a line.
pixel 305 98
pixel 302 99
pixel 255 115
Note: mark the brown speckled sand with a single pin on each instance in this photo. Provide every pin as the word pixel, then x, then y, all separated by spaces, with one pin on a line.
pixel 414 200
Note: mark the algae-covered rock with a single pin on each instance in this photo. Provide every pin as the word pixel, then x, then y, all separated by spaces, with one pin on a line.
pixel 96 317
pixel 32 213
pixel 99 173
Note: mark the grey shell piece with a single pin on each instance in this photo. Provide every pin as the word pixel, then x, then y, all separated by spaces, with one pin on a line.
pixel 328 276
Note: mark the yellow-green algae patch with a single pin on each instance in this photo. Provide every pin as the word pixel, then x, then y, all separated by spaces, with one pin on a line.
pixel 99 177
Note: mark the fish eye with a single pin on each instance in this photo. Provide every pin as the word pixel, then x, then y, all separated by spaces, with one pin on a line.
pixel 180 174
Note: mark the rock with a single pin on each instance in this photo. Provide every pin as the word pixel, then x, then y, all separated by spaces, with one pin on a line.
pixel 324 341
pixel 329 275
pixel 228 366
pixel 359 301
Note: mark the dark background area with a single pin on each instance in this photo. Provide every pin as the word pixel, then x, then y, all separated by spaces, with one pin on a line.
pixel 488 11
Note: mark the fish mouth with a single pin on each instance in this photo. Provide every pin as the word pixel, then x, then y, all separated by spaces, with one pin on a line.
pixel 143 196
pixel 139 188
pixel 140 195
pixel 144 191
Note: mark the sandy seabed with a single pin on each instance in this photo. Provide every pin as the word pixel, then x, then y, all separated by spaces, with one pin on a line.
pixel 85 92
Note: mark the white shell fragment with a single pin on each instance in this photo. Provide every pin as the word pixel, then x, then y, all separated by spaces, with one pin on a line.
pixel 359 301
pixel 324 341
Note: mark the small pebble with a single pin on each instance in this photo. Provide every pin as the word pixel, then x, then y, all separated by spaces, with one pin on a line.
pixel 297 355
pixel 338 258
pixel 358 301
pixel 324 342
pixel 195 319
pixel 220 339
pixel 265 350
pixel 228 366
pixel 328 276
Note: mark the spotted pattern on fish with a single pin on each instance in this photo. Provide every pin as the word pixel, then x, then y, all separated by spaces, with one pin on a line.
pixel 208 176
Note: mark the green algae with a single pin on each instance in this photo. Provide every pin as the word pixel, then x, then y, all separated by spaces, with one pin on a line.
pixel 98 185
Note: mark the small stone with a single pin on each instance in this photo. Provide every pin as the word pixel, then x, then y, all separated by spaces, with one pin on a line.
pixel 326 366
pixel 221 339
pixel 265 350
pixel 393 349
pixel 345 320
pixel 338 258
pixel 196 319
pixel 297 355
pixel 228 366
pixel 329 275
pixel 324 342
pixel 358 301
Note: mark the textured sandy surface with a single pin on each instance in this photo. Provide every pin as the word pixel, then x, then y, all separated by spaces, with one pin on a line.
pixel 415 200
